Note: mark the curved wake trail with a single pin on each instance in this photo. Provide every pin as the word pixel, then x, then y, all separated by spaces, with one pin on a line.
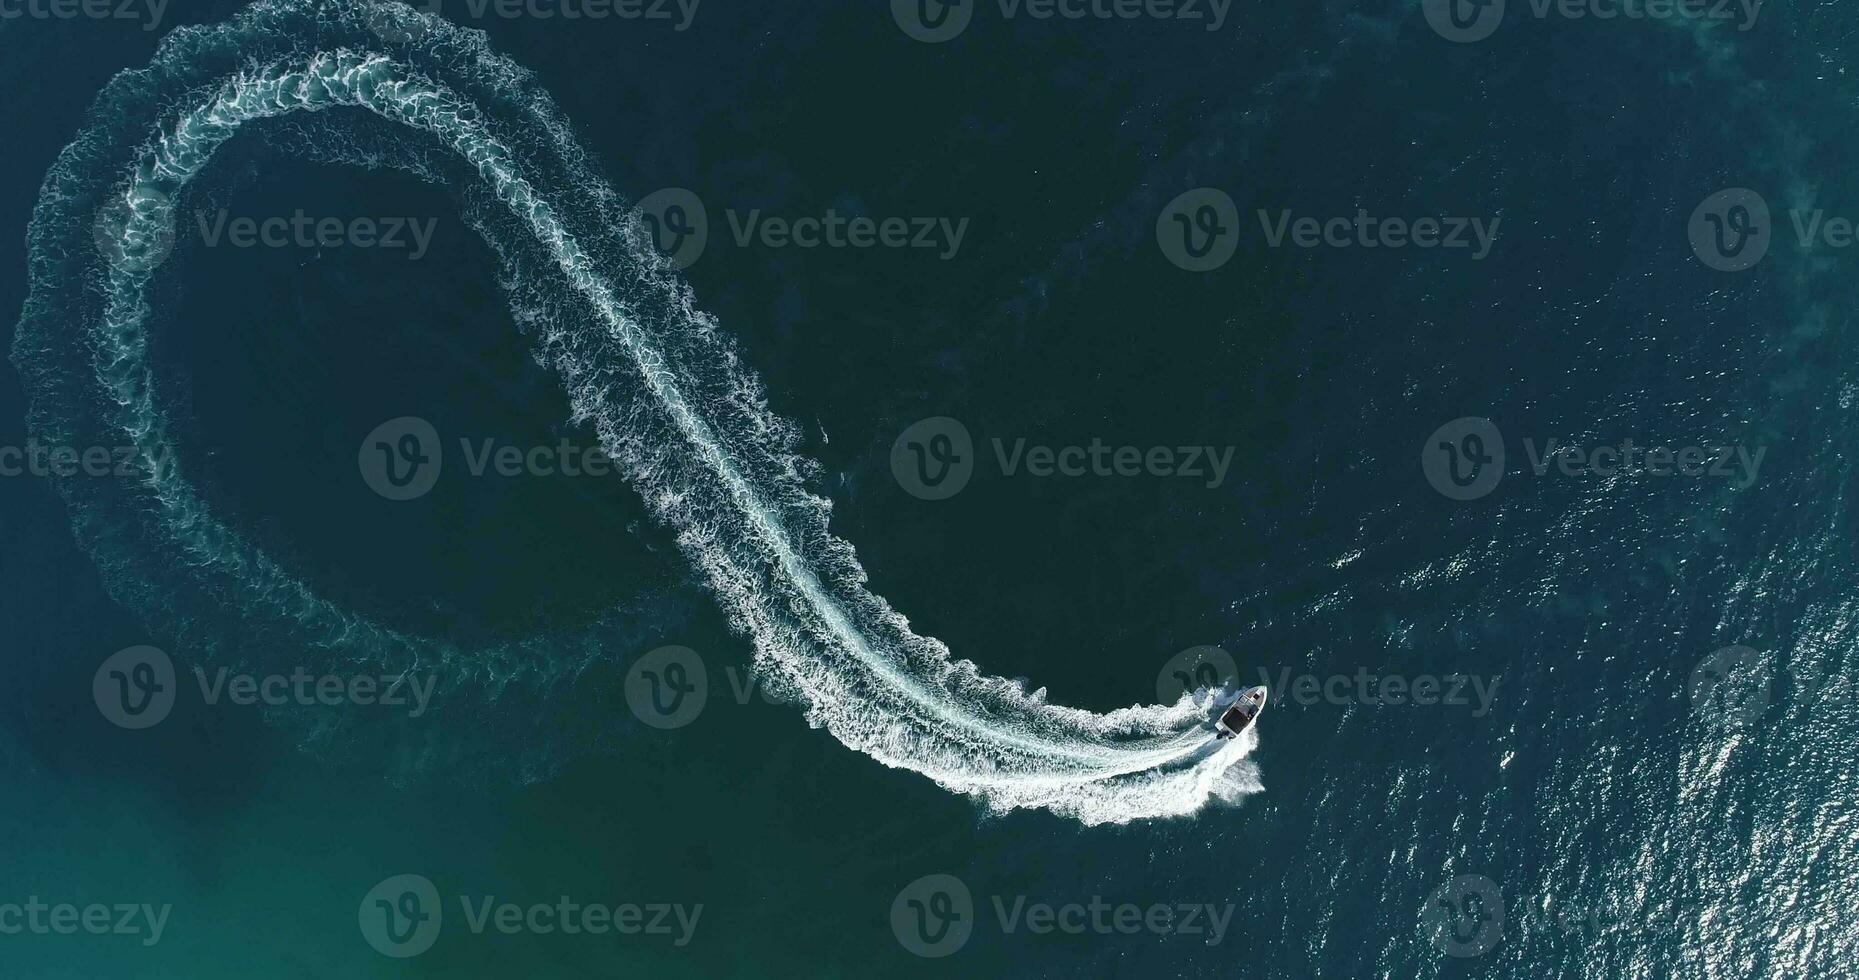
pixel 662 387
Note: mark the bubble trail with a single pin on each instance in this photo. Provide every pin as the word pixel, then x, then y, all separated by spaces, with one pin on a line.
pixel 661 385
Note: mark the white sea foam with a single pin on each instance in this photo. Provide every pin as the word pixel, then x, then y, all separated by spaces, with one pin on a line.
pixel 655 378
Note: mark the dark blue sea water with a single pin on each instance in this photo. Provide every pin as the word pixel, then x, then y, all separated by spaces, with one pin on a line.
pixel 1636 752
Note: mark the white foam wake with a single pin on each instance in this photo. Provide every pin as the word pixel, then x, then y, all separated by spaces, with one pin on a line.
pixel 662 387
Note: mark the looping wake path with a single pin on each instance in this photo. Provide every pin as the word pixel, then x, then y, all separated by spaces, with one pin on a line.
pixel 659 383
